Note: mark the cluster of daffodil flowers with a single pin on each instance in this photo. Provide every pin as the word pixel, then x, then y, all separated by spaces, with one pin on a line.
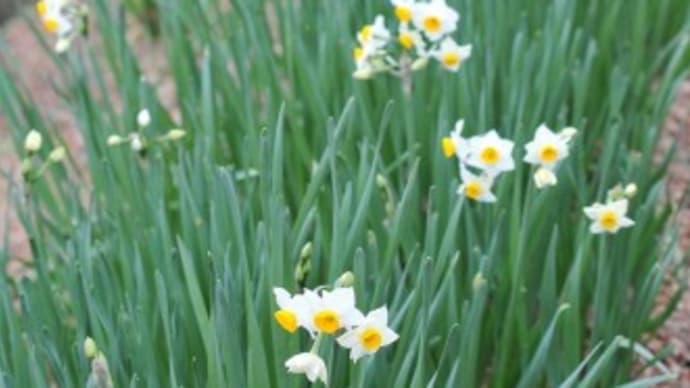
pixel 324 312
pixel 33 165
pixel 483 158
pixel 66 19
pixel 137 141
pixel 610 217
pixel 424 31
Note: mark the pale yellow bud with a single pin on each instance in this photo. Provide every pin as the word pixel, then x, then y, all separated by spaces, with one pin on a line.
pixel 33 141
pixel 114 140
pixel 544 177
pixel 419 63
pixel 568 133
pixel 90 349
pixel 363 74
pixel 478 282
pixel 345 280
pixel 630 190
pixel 57 155
pixel 176 134
pixel 62 45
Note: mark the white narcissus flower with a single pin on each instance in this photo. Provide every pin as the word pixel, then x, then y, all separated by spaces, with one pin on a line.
pixel 491 153
pixel 332 310
pixel 33 141
pixel 411 39
pixel 476 187
pixel 609 217
pixel 144 118
pixel 451 55
pixel 293 311
pixel 374 35
pixel 435 18
pixel 546 148
pixel 404 10
pixel 369 336
pixel 310 364
pixel 455 144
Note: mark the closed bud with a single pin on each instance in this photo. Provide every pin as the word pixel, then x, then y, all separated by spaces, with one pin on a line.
pixel 630 190
pixel 33 141
pixel 143 118
pixel 363 74
pixel 306 251
pixel 137 145
pixel 62 45
pixel 568 133
pixel 90 349
pixel 381 181
pixel 346 280
pixel 115 140
pixel 478 282
pixel 176 134
pixel 57 155
pixel 419 63
pixel 544 177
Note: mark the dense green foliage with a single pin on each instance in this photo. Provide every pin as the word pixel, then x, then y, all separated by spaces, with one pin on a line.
pixel 167 257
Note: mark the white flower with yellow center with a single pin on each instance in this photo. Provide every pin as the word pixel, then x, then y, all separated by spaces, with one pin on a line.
pixel 491 153
pixel 455 144
pixel 435 18
pixel 609 217
pixel 371 334
pixel 293 311
pixel 310 364
pixel 546 149
pixel 451 55
pixel 404 10
pixel 476 187
pixel 374 35
pixel 331 311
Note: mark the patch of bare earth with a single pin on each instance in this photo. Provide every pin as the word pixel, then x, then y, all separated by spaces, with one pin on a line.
pixel 26 52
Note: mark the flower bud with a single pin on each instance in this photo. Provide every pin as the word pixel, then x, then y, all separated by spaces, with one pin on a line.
pixel 310 364
pixel 137 145
pixel 33 141
pixel 90 349
pixel 143 118
pixel 630 190
pixel 363 74
pixel 114 140
pixel 478 282
pixel 419 63
pixel 57 155
pixel 381 181
pixel 176 134
pixel 568 133
pixel 62 45
pixel 544 177
pixel 346 280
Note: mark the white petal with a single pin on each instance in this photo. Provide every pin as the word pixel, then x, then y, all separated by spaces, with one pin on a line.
pixel 389 336
pixel 357 352
pixel 282 297
pixel 620 206
pixel 595 228
pixel 378 316
pixel 592 212
pixel 626 222
pixel 349 339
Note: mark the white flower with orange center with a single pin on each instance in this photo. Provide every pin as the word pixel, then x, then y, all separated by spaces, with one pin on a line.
pixel 371 334
pixel 293 310
pixel 491 153
pixel 455 144
pixel 435 18
pixel 310 364
pixel 546 149
pixel 476 187
pixel 331 311
pixel 609 217
pixel 403 10
pixel 451 55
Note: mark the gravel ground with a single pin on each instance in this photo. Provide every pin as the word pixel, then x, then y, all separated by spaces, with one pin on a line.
pixel 26 52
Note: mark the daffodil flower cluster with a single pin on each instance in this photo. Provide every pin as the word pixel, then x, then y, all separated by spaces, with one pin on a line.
pixel 424 31
pixel 33 165
pixel 137 141
pixel 65 19
pixel 484 157
pixel 331 312
pixel 610 217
